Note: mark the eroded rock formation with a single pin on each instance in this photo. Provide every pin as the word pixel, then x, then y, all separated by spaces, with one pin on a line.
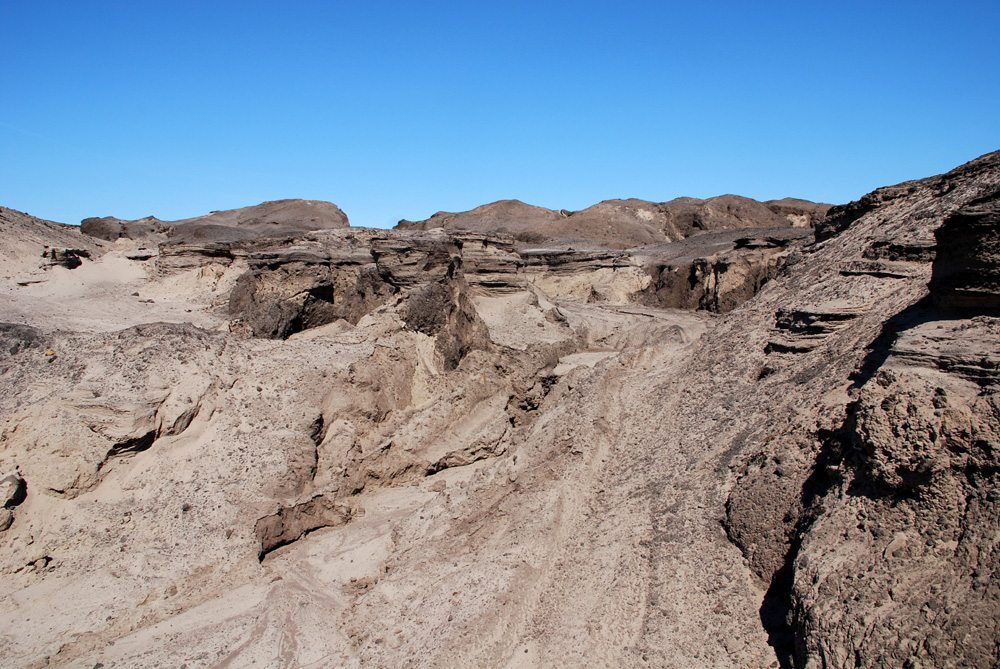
pixel 727 442
pixel 864 516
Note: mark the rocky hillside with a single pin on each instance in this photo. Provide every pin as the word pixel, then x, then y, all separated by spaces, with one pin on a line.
pixel 623 224
pixel 752 446
pixel 281 218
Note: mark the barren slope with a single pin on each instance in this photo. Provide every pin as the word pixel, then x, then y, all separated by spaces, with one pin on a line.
pixel 269 219
pixel 623 224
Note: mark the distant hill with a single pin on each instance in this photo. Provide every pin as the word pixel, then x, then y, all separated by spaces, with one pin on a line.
pixel 621 224
pixel 268 219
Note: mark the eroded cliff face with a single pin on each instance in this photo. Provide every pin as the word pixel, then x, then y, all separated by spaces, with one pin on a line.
pixel 870 518
pixel 348 447
pixel 910 548
pixel 326 277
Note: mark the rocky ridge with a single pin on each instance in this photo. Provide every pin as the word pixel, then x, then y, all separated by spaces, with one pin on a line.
pixel 462 448
pixel 622 224
pixel 268 219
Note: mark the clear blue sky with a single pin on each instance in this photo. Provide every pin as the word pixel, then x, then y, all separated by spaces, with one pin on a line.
pixel 400 109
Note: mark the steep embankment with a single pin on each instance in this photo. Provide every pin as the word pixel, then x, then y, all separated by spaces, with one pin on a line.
pixel 866 474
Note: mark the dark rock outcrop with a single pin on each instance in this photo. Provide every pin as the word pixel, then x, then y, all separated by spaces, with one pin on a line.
pixel 718 284
pixel 109 228
pixel 873 514
pixel 505 216
pixel 304 286
pixel 571 261
pixel 967 268
pixel 491 262
pixel 688 215
pixel 799 330
pixel 12 490
pixel 317 282
pixel 68 258
pixel 411 260
pixel 801 213
pixel 172 257
pixel 291 523
pixel 443 310
pixel 717 271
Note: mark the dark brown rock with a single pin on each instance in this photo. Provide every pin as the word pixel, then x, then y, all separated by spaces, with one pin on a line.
pixel 290 523
pixel 967 267
pixel 506 216
pixel 110 228
pixel 295 289
pixel 68 258
pixel 443 310
pixel 13 490
pixel 717 271
pixel 801 213
pixel 107 228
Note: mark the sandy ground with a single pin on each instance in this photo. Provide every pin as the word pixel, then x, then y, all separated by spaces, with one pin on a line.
pixel 113 292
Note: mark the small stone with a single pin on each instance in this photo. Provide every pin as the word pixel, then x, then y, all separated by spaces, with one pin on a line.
pixel 13 490
pixel 6 519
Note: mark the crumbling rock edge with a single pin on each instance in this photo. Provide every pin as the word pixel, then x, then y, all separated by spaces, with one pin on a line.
pixel 291 523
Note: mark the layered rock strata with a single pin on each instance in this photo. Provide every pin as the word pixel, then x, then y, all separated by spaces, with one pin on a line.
pixel 862 507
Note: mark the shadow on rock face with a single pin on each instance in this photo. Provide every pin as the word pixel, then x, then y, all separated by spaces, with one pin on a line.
pixel 287 297
pixel 444 311
pixel 967 269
